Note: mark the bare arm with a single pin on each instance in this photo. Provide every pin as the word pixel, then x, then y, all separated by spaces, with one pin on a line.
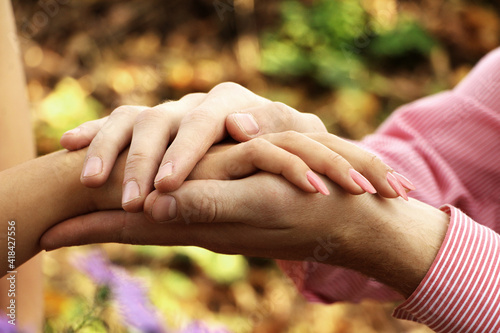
pixel 39 193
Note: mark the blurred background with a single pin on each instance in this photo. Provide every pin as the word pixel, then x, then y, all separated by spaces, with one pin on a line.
pixel 350 62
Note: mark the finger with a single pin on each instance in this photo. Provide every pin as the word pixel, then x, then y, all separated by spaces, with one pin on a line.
pixel 369 165
pixel 128 228
pixel 111 227
pixel 271 117
pixel 152 130
pixel 258 154
pixel 208 201
pixel 111 139
pixel 81 136
pixel 319 158
pixel 198 130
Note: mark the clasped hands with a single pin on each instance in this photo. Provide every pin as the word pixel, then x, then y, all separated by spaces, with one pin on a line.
pixel 206 192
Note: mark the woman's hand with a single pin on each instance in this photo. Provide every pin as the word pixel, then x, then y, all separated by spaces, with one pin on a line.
pixel 294 154
pixel 192 125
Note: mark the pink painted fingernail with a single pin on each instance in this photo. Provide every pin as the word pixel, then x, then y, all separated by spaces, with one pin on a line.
pixel 130 192
pixel 362 181
pixel 164 208
pixel 93 167
pixel 317 182
pixel 247 123
pixel 404 181
pixel 165 171
pixel 73 131
pixel 396 186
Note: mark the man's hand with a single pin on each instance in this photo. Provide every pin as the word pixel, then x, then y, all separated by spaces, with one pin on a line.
pixel 192 125
pixel 263 215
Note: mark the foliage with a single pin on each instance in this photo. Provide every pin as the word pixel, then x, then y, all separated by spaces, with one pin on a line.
pixel 333 42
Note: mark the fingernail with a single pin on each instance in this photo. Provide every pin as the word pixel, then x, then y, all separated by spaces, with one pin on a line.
pixel 130 192
pixel 404 181
pixel 317 183
pixel 396 186
pixel 93 167
pixel 247 123
pixel 164 208
pixel 73 131
pixel 165 171
pixel 362 181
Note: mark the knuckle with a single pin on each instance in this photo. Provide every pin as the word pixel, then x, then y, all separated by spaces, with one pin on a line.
pixel 167 106
pixel 233 168
pixel 313 122
pixel 284 116
pixel 253 147
pixel 151 115
pixel 104 140
pixel 124 111
pixel 282 108
pixel 373 162
pixel 202 209
pixel 334 158
pixel 193 96
pixel 226 87
pixel 136 159
pixel 290 135
pixel 198 116
pixel 290 162
pixel 98 137
pixel 373 159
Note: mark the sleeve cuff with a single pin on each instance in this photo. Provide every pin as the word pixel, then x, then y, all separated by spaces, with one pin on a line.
pixel 461 291
pixel 324 283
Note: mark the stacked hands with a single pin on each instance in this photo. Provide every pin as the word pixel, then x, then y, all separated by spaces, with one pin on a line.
pixel 274 138
pixel 217 194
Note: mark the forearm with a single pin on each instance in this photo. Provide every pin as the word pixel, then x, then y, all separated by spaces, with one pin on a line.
pixel 42 192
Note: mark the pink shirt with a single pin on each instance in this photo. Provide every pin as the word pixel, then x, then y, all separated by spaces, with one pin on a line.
pixel 448 145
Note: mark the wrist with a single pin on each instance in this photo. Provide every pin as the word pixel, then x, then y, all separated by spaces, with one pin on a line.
pixel 64 168
pixel 395 241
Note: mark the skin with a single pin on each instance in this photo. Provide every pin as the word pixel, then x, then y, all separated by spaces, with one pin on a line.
pixel 391 240
pixel 243 218
pixel 17 146
pixel 191 126
pixel 39 193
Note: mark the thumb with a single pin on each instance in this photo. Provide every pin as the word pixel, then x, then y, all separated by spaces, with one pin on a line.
pixel 211 201
pixel 273 117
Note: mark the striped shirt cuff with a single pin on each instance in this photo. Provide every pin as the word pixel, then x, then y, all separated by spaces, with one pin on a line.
pixel 461 291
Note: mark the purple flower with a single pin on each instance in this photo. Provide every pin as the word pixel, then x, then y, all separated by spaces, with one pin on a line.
pixel 130 296
pixel 134 305
pixel 200 327
pixel 96 266
pixel 5 327
pixel 128 293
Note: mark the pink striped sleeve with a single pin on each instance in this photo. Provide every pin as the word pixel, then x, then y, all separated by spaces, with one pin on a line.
pixel 461 292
